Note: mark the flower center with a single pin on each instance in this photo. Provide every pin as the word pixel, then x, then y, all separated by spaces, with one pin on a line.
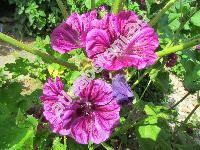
pixel 85 109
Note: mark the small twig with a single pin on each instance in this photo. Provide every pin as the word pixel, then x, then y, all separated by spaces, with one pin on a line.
pixel 182 99
pixel 191 113
pixel 195 108
pixel 141 77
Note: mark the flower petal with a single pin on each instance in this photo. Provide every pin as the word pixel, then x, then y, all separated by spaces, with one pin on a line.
pixel 97 41
pixel 86 129
pixel 125 21
pixel 80 129
pixel 120 87
pixel 98 92
pixel 71 34
pixel 65 39
pixel 134 43
pixel 80 84
pixel 108 116
pixel 58 107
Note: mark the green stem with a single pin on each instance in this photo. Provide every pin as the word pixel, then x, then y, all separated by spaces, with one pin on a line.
pixel 180 47
pixel 46 57
pixel 145 89
pixel 191 113
pixel 106 146
pixel 167 51
pixel 162 12
pixel 183 20
pixel 65 141
pixel 140 78
pixel 117 6
pixel 92 4
pixel 62 8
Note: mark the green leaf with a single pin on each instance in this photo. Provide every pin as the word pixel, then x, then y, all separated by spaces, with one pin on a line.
pixel 73 145
pixel 106 146
pixel 148 4
pixel 158 111
pixel 149 131
pixel 71 76
pixel 154 71
pixel 22 66
pixel 153 131
pixel 98 3
pixel 90 146
pixel 88 4
pixel 174 25
pixel 157 77
pixel 12 100
pixel 192 75
pixel 196 19
pixel 57 145
pixel 163 84
pixel 17 138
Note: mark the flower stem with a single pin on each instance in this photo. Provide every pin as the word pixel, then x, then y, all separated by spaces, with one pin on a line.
pixel 46 57
pixel 62 8
pixel 106 146
pixel 92 4
pixel 191 113
pixel 141 77
pixel 182 99
pixel 167 51
pixel 162 12
pixel 180 47
pixel 117 6
pixel 145 89
pixel 65 141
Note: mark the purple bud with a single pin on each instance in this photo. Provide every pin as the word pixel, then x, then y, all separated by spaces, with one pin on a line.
pixel 171 60
pixel 143 1
pixel 198 48
pixel 105 75
pixel 102 8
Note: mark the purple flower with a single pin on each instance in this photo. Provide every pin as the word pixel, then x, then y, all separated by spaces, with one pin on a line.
pixel 105 75
pixel 121 90
pixel 198 47
pixel 171 60
pixel 143 1
pixel 122 40
pixel 55 100
pixel 92 117
pixel 71 34
pixel 102 8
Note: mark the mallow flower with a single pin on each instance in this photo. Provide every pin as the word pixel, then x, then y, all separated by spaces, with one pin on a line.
pixel 71 33
pixel 122 40
pixel 91 117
